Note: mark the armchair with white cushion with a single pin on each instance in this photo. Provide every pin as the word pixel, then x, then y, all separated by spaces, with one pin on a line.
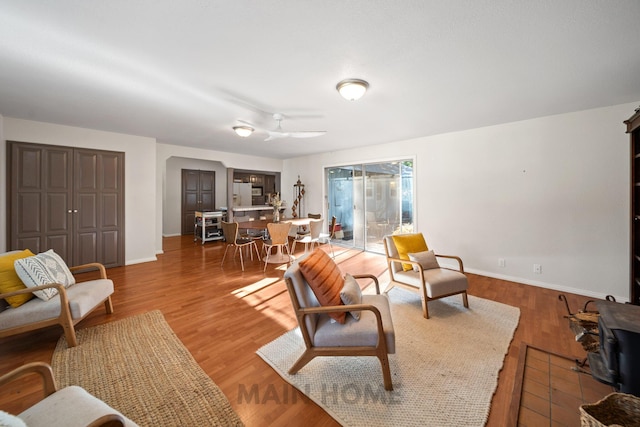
pixel 71 406
pixel 413 267
pixel 38 291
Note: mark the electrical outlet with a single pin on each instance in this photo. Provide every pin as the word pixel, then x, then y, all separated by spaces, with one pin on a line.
pixel 537 268
pixel 501 262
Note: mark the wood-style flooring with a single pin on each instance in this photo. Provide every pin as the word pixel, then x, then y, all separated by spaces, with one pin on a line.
pixel 223 315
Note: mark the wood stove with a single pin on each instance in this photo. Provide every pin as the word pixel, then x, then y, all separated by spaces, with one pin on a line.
pixel 617 362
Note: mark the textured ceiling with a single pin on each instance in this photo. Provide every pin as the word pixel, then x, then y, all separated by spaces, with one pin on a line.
pixel 184 72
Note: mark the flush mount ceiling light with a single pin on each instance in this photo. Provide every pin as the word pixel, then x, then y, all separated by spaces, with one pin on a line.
pixel 352 89
pixel 243 131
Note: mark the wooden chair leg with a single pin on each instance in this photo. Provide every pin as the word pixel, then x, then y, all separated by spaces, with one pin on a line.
pixel 425 305
pixel 465 300
pixel 70 334
pixel 301 362
pixel 241 260
pixel 386 372
pixel 225 254
pixel 266 257
pixel 108 305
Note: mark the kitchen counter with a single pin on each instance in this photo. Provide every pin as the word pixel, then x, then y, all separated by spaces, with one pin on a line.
pixel 254 208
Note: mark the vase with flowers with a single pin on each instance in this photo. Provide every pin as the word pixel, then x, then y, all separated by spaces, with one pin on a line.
pixel 276 202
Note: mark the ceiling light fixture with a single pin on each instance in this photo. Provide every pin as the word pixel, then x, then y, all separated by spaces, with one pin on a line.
pixel 243 131
pixel 352 89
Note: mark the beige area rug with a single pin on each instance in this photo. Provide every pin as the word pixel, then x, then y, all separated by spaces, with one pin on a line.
pixel 140 367
pixel 444 372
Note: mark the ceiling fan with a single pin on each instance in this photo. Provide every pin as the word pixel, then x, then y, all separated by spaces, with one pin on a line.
pixel 280 133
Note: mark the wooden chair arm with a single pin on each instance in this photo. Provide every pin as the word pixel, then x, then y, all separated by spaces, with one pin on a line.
pixel 407 261
pixel 460 265
pixel 345 308
pixel 368 276
pixel 403 261
pixel 339 308
pixel 109 420
pixel 90 266
pixel 40 368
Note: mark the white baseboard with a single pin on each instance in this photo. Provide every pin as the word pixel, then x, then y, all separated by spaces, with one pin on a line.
pixel 553 286
pixel 140 261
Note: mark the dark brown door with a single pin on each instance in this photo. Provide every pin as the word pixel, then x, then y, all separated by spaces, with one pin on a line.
pixel 41 199
pixel 198 194
pixel 69 200
pixel 98 207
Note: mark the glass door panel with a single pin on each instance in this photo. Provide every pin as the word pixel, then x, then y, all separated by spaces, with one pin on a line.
pixel 340 201
pixel 371 201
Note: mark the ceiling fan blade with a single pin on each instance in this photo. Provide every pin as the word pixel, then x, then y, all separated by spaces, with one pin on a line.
pixel 307 134
pixel 276 135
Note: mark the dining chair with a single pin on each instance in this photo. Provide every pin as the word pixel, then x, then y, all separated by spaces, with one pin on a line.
pixel 326 237
pixel 279 239
pixel 247 233
pixel 304 230
pixel 315 228
pixel 232 239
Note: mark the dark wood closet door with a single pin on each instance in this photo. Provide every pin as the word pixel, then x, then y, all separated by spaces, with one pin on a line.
pixel 99 207
pixel 40 200
pixel 69 200
pixel 198 194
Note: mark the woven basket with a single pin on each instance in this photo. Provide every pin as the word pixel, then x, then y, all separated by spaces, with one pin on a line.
pixel 615 410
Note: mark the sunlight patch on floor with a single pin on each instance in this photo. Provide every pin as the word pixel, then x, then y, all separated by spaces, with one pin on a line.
pixel 255 287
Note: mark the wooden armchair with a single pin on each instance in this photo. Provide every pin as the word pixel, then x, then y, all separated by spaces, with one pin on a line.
pixel 431 281
pixel 371 335
pixel 70 306
pixel 69 407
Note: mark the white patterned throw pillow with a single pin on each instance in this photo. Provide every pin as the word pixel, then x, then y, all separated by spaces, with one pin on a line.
pixel 42 269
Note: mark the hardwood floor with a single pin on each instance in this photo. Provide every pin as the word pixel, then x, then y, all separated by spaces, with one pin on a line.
pixel 223 315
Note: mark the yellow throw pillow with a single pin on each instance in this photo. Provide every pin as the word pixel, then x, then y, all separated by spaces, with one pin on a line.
pixel 408 244
pixel 9 280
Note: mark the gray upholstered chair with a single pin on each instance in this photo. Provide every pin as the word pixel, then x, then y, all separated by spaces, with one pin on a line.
pixel 371 335
pixel 431 283
pixel 67 309
pixel 69 407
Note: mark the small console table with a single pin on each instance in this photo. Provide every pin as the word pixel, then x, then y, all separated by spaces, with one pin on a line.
pixel 207 226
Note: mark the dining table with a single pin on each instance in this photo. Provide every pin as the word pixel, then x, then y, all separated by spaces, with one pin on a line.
pixel 261 224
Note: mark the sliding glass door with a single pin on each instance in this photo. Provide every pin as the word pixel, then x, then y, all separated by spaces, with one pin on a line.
pixel 370 201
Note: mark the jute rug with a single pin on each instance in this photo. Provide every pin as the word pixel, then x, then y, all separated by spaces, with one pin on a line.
pixel 140 367
pixel 444 372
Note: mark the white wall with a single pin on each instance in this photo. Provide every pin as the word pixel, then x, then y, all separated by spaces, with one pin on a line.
pixel 140 175
pixel 552 191
pixel 172 206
